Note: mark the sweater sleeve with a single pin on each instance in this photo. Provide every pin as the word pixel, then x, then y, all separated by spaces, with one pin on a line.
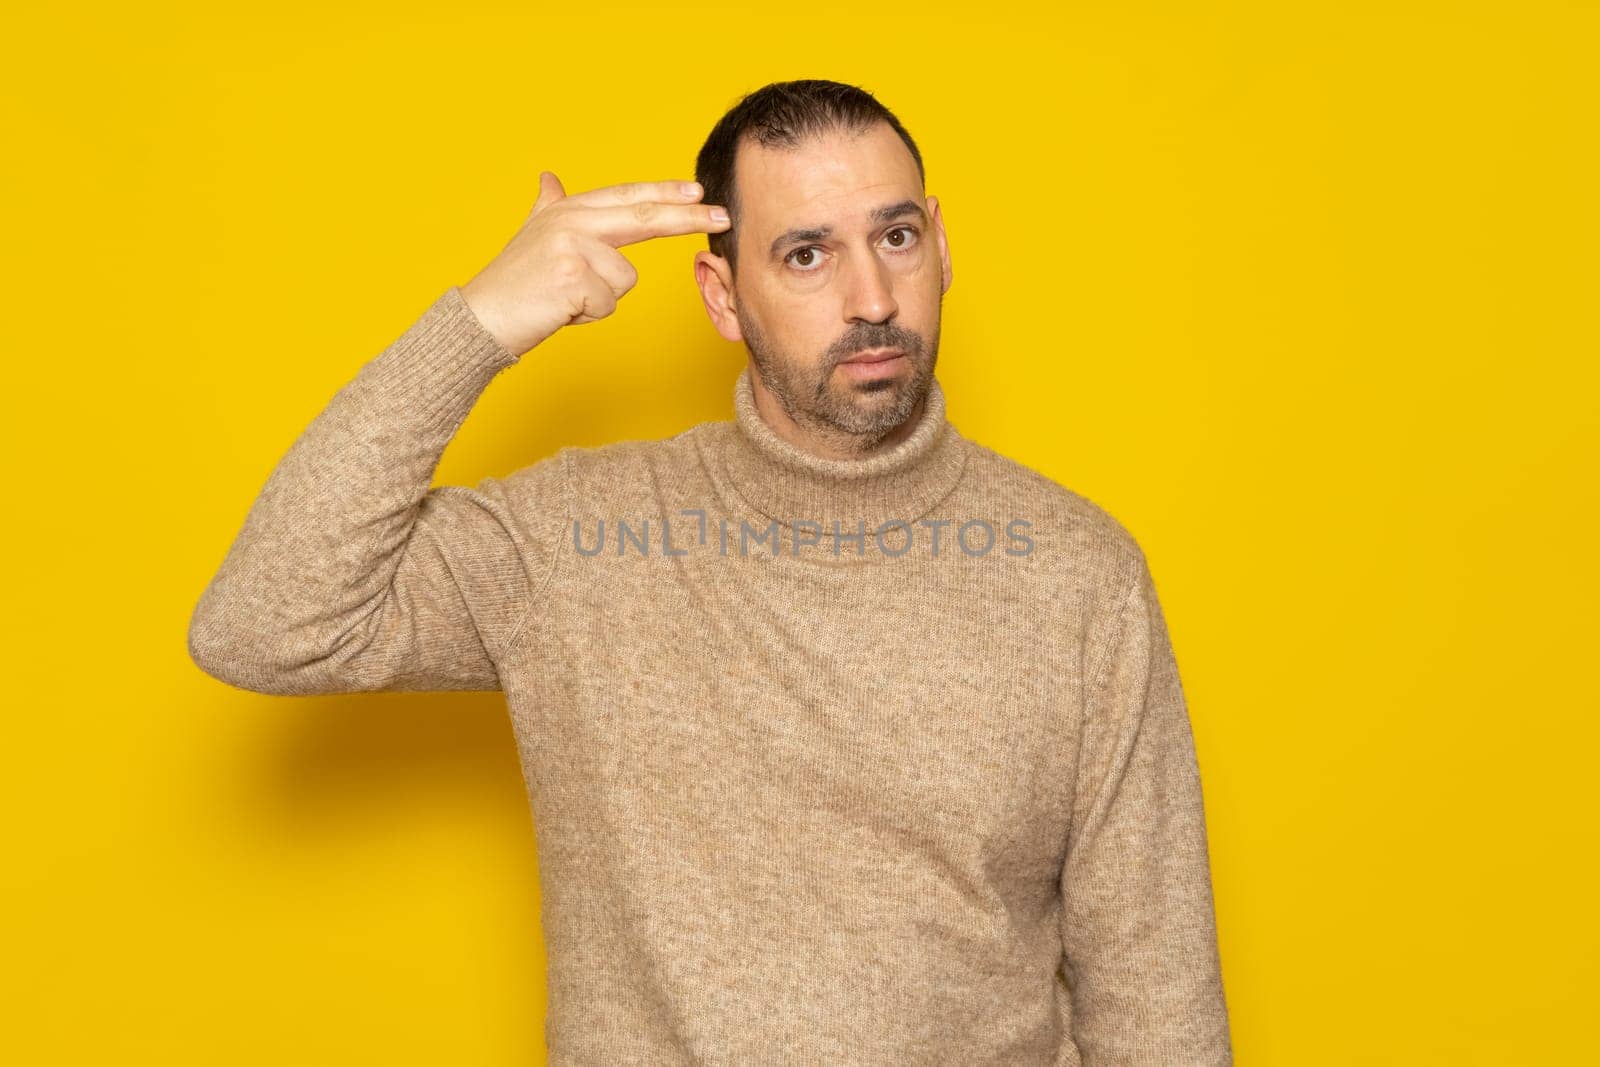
pixel 350 572
pixel 1138 929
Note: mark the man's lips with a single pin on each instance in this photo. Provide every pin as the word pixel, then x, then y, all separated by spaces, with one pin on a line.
pixel 875 355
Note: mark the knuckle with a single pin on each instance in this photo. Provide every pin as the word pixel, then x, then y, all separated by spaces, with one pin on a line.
pixel 624 274
pixel 644 210
pixel 569 266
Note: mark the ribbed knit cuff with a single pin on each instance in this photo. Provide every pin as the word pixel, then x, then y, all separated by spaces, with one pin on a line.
pixel 437 369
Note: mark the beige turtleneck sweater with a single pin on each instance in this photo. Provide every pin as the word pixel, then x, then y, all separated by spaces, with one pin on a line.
pixel 928 796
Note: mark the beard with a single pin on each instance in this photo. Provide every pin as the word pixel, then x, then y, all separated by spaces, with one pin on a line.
pixel 824 402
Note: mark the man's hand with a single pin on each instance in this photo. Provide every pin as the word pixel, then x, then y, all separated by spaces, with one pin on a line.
pixel 563 268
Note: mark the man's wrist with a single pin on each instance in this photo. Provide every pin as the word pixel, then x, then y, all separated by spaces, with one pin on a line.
pixel 483 310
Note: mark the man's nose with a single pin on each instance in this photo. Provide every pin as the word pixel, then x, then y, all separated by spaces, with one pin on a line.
pixel 869 290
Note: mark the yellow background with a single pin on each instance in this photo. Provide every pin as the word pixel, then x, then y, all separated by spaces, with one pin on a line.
pixel 1305 294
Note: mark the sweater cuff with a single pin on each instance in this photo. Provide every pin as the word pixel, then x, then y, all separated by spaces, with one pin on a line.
pixel 437 369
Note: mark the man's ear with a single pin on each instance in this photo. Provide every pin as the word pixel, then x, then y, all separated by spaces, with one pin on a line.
pixel 715 279
pixel 944 242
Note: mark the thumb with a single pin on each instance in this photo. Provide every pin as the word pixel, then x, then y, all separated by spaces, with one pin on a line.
pixel 550 190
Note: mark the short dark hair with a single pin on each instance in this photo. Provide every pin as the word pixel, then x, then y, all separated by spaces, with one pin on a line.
pixel 783 115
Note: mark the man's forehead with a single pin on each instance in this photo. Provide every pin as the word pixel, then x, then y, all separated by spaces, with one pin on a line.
pixel 831 180
pixel 826 169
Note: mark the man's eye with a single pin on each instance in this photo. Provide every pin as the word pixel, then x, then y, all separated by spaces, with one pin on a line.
pixel 808 251
pixel 909 240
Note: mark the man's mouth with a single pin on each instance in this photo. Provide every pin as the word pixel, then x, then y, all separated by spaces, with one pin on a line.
pixel 875 364
pixel 875 355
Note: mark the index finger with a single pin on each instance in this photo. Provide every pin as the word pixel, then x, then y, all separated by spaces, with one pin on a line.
pixel 626 224
pixel 670 192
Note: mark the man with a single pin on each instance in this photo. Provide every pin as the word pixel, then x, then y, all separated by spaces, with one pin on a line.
pixel 853 741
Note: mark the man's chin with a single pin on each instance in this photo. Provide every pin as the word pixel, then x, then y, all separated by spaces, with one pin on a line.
pixel 870 393
pixel 873 407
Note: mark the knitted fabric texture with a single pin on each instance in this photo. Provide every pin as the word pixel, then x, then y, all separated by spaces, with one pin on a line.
pixel 878 761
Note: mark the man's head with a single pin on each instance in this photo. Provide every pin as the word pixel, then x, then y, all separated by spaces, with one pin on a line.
pixel 833 251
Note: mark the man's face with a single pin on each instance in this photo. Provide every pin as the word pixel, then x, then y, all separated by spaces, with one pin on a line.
pixel 839 254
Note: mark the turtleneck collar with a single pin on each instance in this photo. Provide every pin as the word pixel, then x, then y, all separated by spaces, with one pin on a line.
pixel 784 482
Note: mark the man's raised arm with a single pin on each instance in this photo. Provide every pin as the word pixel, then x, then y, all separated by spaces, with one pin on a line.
pixel 350 573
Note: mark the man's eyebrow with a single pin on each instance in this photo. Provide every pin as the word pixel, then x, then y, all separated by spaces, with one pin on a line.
pixel 887 213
